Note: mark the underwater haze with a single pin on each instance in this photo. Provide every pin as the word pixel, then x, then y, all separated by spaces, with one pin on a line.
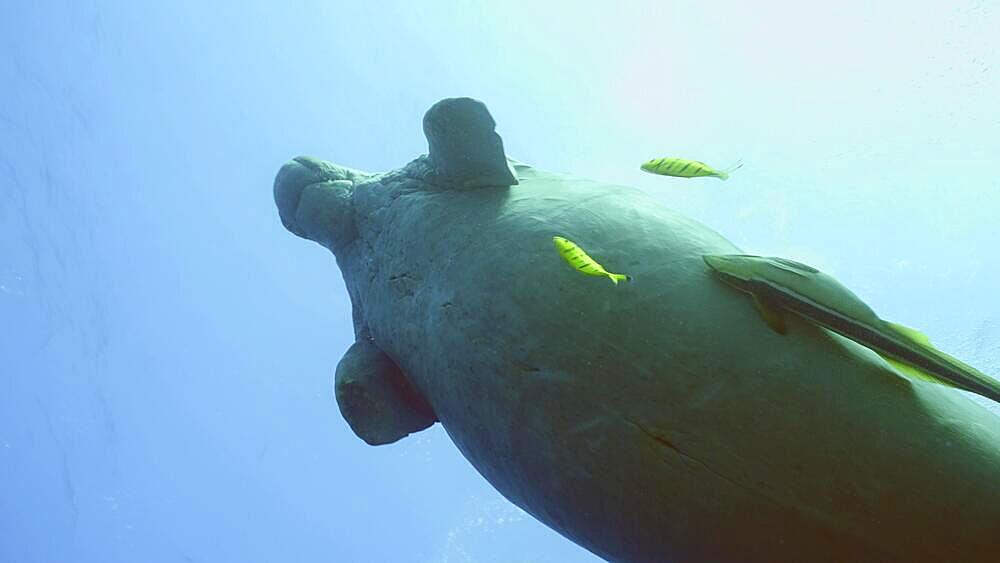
pixel 167 348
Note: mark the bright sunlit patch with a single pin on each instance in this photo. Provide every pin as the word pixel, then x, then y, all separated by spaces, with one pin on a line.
pixel 12 284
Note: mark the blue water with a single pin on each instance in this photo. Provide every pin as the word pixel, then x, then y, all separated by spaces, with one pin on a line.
pixel 167 348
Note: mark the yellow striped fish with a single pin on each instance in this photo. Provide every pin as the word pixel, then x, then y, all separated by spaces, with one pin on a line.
pixel 576 257
pixel 684 168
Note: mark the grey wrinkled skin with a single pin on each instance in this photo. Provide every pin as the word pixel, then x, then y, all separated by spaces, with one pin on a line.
pixel 658 420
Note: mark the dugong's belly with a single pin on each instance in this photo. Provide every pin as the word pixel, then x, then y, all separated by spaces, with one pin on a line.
pixel 662 419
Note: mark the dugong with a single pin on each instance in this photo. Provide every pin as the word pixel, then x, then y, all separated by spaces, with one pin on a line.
pixel 651 421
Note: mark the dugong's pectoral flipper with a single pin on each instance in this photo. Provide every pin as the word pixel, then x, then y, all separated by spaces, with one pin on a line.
pixel 376 399
pixel 464 149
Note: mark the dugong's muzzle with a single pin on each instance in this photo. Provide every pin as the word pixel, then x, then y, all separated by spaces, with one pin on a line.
pixel 314 199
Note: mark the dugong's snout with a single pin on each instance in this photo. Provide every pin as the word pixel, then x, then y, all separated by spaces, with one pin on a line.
pixel 314 199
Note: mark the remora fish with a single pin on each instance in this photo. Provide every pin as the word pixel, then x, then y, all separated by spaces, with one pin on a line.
pixel 684 168
pixel 777 285
pixel 576 257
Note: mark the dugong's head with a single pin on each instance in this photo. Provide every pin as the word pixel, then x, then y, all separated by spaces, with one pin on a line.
pixel 317 199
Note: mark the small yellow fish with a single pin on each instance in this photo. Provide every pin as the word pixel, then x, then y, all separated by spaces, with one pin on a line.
pixel 684 168
pixel 576 257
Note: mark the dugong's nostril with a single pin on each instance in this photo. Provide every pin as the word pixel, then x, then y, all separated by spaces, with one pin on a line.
pixel 327 170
